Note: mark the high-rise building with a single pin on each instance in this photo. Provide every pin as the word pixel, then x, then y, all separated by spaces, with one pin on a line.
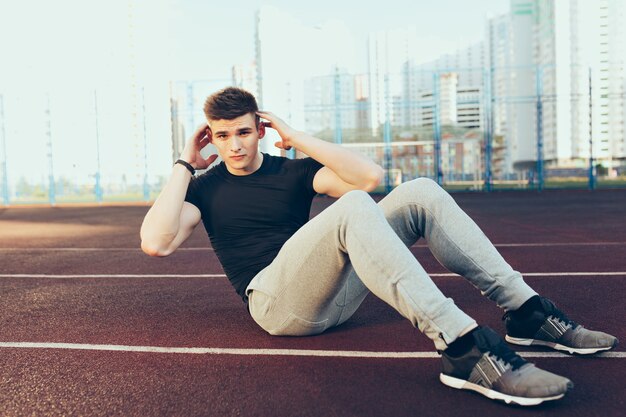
pixel 498 58
pixel 609 81
pixel 415 96
pixel 459 76
pixel 186 108
pixel 178 129
pixel 523 88
pixel 287 54
pixel 388 55
pixel 543 56
pixel 331 102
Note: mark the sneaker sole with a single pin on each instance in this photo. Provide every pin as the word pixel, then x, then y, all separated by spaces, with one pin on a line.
pixel 555 346
pixel 494 395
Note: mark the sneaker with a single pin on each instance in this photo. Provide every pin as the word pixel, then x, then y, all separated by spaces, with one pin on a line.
pixel 492 369
pixel 553 329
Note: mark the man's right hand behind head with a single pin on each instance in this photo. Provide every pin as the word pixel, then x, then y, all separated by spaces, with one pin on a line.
pixel 197 142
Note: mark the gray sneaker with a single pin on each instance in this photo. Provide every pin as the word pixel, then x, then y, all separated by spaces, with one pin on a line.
pixel 552 328
pixel 492 369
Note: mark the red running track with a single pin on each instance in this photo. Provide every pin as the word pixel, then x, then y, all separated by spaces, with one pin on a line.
pixel 537 233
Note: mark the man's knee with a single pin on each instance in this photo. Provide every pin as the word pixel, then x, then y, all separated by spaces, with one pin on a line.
pixel 356 205
pixel 427 187
pixel 424 184
pixel 358 197
pixel 425 191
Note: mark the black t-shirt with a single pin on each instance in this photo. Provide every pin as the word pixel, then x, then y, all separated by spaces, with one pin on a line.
pixel 248 218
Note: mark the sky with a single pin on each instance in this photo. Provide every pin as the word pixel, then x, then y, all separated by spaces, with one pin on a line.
pixel 226 33
pixel 47 41
pixel 67 57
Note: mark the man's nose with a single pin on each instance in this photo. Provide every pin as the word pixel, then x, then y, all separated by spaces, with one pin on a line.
pixel 235 144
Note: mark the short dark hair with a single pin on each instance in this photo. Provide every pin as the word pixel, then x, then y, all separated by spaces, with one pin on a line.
pixel 230 103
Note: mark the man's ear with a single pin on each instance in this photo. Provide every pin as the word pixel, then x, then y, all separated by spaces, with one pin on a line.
pixel 261 130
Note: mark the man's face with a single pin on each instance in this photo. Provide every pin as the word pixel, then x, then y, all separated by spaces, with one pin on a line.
pixel 237 142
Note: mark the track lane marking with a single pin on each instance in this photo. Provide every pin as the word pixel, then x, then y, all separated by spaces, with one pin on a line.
pixel 270 352
pixel 503 245
pixel 113 276
pixel 436 275
pixel 136 249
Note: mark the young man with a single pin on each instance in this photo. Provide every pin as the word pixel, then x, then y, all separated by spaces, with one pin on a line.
pixel 301 277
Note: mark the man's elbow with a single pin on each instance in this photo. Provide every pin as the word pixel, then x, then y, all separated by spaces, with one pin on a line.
pixel 149 248
pixel 374 179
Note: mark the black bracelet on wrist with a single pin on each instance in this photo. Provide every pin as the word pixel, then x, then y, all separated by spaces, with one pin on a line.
pixel 186 165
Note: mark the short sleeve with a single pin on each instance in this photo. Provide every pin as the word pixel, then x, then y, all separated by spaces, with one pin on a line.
pixel 193 195
pixel 309 168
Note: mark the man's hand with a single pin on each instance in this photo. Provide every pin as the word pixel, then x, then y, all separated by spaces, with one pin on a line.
pixel 343 170
pixel 286 132
pixel 191 153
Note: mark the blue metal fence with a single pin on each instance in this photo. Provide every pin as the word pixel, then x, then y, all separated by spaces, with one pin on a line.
pixel 462 135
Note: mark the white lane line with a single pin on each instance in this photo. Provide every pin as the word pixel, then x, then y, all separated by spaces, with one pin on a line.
pixel 524 245
pixel 113 276
pixel 550 274
pixel 421 245
pixel 446 274
pixel 135 249
pixel 541 245
pixel 270 352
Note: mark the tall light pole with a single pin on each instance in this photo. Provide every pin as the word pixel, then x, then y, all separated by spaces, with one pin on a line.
pixel 146 186
pixel 488 120
pixel 592 177
pixel 387 138
pixel 437 126
pixel 338 130
pixel 5 177
pixel 51 185
pixel 539 104
pixel 98 188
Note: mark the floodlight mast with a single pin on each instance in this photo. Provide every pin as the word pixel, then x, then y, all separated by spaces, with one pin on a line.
pixel 3 167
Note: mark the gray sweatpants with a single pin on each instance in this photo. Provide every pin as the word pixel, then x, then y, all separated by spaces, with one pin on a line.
pixel 326 269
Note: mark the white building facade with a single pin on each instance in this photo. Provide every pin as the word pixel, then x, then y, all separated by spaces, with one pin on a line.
pixel 550 51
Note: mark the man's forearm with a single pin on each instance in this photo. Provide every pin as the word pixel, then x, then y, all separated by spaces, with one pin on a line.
pixel 350 166
pixel 162 221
